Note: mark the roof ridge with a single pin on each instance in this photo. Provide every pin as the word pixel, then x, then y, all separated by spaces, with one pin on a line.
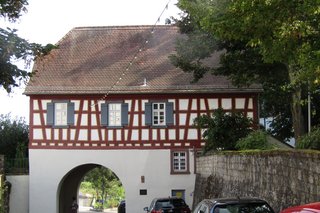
pixel 114 27
pixel 123 27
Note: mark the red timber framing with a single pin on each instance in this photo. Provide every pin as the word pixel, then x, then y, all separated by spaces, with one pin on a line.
pixel 136 135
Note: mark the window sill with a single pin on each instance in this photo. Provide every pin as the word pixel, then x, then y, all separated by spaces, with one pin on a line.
pixel 61 126
pixel 180 173
pixel 159 127
pixel 114 127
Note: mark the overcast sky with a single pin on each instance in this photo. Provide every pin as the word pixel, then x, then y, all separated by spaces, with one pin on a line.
pixel 47 21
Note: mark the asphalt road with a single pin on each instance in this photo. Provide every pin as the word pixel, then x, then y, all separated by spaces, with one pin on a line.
pixel 83 209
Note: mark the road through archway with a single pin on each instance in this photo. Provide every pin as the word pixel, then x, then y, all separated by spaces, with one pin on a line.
pixel 69 188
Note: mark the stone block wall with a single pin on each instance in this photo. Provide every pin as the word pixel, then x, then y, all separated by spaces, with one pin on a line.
pixel 283 178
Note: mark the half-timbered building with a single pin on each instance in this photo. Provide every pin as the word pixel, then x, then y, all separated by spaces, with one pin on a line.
pixel 109 96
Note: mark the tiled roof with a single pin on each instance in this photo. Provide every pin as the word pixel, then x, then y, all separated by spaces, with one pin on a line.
pixel 97 60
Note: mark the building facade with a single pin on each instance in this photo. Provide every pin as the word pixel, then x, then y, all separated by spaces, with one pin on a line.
pixel 109 96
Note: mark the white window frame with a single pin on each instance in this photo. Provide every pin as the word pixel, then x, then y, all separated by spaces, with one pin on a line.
pixel 159 114
pixel 114 114
pixel 179 161
pixel 60 114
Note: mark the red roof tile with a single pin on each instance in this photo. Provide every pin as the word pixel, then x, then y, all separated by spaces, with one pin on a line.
pixel 101 60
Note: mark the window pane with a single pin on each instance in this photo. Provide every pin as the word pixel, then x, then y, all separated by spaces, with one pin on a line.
pixel 60 114
pixel 155 119
pixel 114 114
pixel 179 161
pixel 158 112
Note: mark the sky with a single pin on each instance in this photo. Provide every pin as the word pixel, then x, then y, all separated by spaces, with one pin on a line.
pixel 47 21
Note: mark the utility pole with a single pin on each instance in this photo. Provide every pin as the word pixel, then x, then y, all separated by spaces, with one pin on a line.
pixel 309 111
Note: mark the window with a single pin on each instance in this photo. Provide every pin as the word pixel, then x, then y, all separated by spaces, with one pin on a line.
pixel 179 193
pixel 60 113
pixel 179 162
pixel 159 113
pixel 114 114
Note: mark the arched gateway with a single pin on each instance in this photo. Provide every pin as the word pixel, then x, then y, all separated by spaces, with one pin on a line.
pixel 110 96
pixel 69 186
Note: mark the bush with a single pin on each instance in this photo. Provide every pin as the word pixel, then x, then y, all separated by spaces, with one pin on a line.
pixel 222 130
pixel 310 141
pixel 98 206
pixel 112 202
pixel 14 137
pixel 255 140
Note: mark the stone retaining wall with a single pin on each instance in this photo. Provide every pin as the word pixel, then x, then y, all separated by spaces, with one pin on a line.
pixel 283 178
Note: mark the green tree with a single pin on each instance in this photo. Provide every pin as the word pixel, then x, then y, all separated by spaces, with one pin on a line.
pixel 14 137
pixel 13 48
pixel 116 194
pixel 12 9
pixel 223 129
pixel 254 140
pixel 284 32
pixel 243 65
pixel 104 183
pixel 86 188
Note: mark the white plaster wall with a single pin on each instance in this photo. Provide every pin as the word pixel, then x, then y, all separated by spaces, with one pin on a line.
pixel 19 197
pixel 48 167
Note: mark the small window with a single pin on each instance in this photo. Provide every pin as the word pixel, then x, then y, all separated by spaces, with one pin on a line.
pixel 60 113
pixel 179 162
pixel 114 114
pixel 159 114
pixel 179 193
pixel 158 111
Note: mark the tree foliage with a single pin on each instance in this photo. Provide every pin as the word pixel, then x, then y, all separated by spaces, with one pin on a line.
pixel 14 137
pixel 115 195
pixel 12 9
pixel 310 141
pixel 243 65
pixel 222 130
pixel 13 48
pixel 280 33
pixel 283 31
pixel 254 140
pixel 105 184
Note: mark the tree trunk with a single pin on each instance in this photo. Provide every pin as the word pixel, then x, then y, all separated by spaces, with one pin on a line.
pixel 296 109
pixel 297 116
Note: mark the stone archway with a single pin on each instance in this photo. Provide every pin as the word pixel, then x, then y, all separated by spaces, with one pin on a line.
pixel 69 186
